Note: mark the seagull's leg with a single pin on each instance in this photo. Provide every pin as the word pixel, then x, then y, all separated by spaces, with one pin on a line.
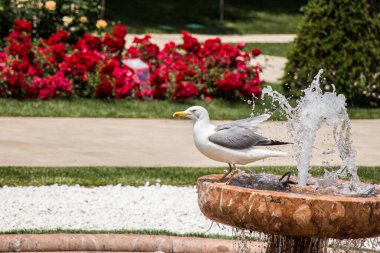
pixel 233 174
pixel 227 173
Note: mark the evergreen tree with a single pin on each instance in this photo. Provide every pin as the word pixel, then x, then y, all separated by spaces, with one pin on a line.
pixel 343 38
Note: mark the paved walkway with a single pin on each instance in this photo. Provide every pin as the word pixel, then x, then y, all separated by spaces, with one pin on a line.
pixel 146 142
pixel 161 39
pixel 272 67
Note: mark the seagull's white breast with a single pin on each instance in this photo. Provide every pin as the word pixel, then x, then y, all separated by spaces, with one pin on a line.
pixel 203 129
pixel 201 132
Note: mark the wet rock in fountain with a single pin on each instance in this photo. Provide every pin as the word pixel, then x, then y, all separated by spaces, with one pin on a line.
pixel 261 181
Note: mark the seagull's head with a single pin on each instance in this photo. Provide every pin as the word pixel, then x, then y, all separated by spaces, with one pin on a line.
pixel 195 113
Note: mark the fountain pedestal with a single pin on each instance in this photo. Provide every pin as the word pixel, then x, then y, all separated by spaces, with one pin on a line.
pixel 294 244
pixel 300 217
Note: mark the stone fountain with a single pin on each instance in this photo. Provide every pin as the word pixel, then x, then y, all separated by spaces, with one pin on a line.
pixel 300 217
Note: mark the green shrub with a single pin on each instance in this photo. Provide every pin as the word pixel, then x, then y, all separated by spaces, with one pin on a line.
pixel 343 38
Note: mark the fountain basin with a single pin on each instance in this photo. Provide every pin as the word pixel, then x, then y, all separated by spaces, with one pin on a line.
pixel 291 213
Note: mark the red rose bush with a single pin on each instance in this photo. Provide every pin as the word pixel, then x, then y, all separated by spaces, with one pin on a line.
pixel 92 67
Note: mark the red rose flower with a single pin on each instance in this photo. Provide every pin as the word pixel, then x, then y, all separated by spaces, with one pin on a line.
pixel 169 47
pixel 151 49
pixel 89 42
pixel 59 52
pixel 116 81
pixel 185 90
pixel 252 88
pixel 256 52
pixel 133 52
pixel 141 94
pixel 52 86
pixel 60 36
pixel 119 31
pixel 20 26
pixel 145 39
pixel 113 43
pixel 190 43
pixel 159 76
pixel 105 89
pixel 231 82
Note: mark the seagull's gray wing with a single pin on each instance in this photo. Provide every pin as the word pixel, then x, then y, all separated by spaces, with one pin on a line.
pixel 250 123
pixel 237 137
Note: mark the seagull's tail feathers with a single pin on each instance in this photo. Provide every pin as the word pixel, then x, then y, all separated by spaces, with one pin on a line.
pixel 259 154
pixel 267 142
pixel 280 154
pixel 274 142
pixel 274 153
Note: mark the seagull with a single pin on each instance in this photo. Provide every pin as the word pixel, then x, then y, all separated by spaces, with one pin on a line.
pixel 232 143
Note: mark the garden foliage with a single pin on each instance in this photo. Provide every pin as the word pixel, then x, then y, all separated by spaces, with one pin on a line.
pixel 47 16
pixel 92 67
pixel 343 38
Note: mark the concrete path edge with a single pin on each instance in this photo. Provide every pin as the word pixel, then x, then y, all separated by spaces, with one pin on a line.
pixel 114 242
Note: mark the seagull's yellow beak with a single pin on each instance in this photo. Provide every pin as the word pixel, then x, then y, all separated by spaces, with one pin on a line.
pixel 180 114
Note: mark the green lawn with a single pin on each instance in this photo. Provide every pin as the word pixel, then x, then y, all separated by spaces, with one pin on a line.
pixel 197 16
pixel 274 49
pixel 135 176
pixel 121 231
pixel 218 109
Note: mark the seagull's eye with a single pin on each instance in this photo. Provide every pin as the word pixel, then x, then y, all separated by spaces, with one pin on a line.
pixel 193 111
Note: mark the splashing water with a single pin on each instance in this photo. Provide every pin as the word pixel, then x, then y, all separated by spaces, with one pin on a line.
pixel 246 241
pixel 304 120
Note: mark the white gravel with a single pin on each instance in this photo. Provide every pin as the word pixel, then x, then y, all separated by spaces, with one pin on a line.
pixel 117 207
pixel 103 208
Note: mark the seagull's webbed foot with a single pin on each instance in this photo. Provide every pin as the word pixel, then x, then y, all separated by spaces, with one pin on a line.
pixel 226 174
pixel 233 174
pixel 287 180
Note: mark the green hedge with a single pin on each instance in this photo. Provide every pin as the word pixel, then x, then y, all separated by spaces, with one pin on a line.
pixel 343 38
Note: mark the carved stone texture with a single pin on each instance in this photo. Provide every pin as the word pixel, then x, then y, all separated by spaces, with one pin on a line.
pixel 289 213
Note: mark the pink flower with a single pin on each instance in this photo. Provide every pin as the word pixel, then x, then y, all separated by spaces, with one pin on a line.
pixel 241 45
